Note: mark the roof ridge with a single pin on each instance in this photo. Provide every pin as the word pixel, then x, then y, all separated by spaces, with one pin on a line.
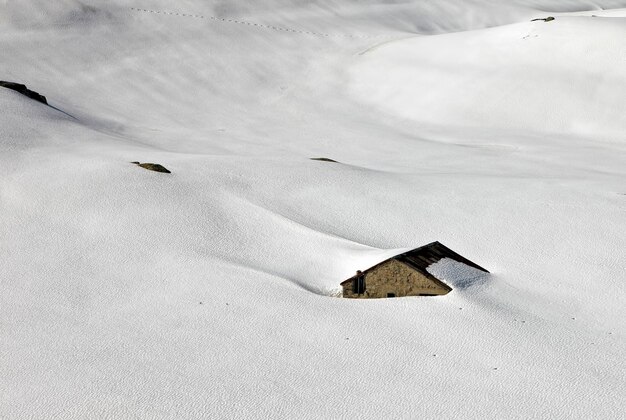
pixel 424 256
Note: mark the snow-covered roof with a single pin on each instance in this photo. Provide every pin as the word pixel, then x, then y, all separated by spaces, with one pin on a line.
pixel 423 257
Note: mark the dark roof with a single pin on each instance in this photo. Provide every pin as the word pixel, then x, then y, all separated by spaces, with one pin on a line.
pixel 424 256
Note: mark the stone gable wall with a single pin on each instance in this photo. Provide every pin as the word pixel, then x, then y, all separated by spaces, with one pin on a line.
pixel 398 278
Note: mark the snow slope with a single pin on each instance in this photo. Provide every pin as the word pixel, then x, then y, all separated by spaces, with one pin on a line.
pixel 205 293
pixel 561 77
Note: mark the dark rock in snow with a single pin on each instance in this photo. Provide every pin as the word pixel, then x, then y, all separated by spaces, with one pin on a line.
pixel 18 87
pixel 548 19
pixel 323 159
pixel 153 167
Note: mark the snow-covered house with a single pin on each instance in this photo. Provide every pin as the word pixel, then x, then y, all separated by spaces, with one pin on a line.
pixel 404 275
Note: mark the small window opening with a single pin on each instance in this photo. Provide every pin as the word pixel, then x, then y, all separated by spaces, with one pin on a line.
pixel 358 286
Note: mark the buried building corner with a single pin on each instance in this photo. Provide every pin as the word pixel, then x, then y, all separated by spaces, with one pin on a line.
pixel 404 275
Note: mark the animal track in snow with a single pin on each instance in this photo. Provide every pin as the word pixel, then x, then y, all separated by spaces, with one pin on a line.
pixel 254 24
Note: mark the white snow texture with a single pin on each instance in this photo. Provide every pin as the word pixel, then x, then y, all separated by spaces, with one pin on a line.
pixel 206 293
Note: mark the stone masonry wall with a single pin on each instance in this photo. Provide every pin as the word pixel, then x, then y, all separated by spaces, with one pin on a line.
pixel 397 278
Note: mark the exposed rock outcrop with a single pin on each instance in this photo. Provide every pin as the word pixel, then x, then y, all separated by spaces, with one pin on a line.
pixel 18 87
pixel 153 167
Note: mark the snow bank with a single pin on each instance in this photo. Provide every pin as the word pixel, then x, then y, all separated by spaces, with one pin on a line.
pixel 563 76
pixel 127 293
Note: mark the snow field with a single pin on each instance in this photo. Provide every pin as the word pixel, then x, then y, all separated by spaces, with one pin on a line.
pixel 205 293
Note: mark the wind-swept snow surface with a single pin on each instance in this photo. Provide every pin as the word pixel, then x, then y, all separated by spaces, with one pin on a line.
pixel 559 77
pixel 205 293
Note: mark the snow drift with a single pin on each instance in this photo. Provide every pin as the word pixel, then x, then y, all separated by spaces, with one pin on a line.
pixel 127 293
